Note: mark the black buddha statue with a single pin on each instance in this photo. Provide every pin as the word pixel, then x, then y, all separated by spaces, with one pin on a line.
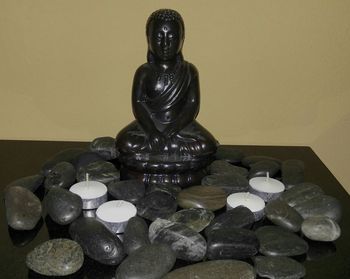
pixel 165 144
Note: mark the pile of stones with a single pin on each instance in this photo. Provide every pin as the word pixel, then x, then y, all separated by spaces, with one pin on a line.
pixel 175 225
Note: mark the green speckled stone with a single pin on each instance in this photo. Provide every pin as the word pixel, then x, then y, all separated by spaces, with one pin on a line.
pixel 195 218
pixel 56 257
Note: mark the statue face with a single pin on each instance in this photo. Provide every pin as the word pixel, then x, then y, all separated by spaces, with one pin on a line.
pixel 165 39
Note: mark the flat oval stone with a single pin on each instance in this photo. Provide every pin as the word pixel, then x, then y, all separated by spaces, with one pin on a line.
pixel 229 153
pixel 283 215
pixel 261 168
pixel 135 235
pixel 230 183
pixel 23 208
pixel 321 229
pixel 252 159
pixel 238 217
pixel 128 190
pixel 300 193
pixel 105 147
pixel 278 267
pixel 275 241
pixel 101 171
pixel 232 243
pixel 320 206
pixel 185 242
pixel 208 197
pixel 56 257
pixel 292 172
pixel 97 241
pixel 224 167
pixel 63 206
pixel 156 205
pixel 149 262
pixel 195 218
pixel 61 175
pixel 223 269
pixel 86 158
pixel 168 188
pixel 32 182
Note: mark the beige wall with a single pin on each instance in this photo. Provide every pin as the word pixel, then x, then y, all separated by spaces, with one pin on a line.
pixel 272 72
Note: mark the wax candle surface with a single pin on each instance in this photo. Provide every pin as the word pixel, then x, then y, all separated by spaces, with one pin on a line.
pixel 251 201
pixel 89 189
pixel 116 211
pixel 266 184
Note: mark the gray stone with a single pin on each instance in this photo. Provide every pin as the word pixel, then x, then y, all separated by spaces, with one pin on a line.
pixel 97 241
pixel 320 206
pixel 230 183
pixel 62 205
pixel 275 241
pixel 86 158
pixel 224 167
pixel 170 189
pixel 185 242
pixel 135 235
pixel 261 168
pixel 101 171
pixel 195 218
pixel 300 193
pixel 32 183
pixel 292 172
pixel 278 267
pixel 56 257
pixel 155 205
pixel 149 262
pixel 283 215
pixel 105 147
pixel 220 269
pixel 23 208
pixel 229 153
pixel 61 175
pixel 252 159
pixel 321 229
pixel 128 190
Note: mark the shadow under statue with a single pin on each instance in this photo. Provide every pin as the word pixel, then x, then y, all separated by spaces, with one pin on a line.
pixel 165 144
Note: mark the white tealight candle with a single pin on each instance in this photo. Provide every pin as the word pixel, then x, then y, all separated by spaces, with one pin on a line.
pixel 254 203
pixel 116 214
pixel 267 188
pixel 93 193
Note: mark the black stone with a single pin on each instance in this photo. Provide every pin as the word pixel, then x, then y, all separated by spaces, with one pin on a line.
pixel 61 175
pixel 101 171
pixel 62 205
pixel 229 153
pixel 128 190
pixel 86 158
pixel 232 243
pixel 32 183
pixel 105 147
pixel 168 188
pixel 155 205
pixel 195 218
pixel 97 241
pixel 300 193
pixel 239 217
pixel 252 159
pixel 149 262
pixel 135 235
pixel 275 241
pixel 230 183
pixel 22 238
pixel 224 167
pixel 261 168
pixel 292 172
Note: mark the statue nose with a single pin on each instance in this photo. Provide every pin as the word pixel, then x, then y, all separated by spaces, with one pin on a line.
pixel 166 41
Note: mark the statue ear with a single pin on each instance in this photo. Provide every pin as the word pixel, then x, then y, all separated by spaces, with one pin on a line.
pixel 150 57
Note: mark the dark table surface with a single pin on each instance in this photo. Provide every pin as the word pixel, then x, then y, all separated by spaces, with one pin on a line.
pixel 23 158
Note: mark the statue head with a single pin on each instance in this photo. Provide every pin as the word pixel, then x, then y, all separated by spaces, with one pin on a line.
pixel 165 33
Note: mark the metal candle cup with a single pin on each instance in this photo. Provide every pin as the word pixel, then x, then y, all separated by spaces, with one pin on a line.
pixel 265 187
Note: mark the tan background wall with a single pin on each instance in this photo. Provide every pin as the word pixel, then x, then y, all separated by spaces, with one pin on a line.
pixel 272 72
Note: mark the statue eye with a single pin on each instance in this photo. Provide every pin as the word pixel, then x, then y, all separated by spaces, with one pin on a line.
pixel 171 36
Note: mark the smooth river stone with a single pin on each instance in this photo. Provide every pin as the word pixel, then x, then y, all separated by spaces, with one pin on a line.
pixel 135 235
pixel 261 168
pixel 238 217
pixel 232 243
pixel 320 206
pixel 105 147
pixel 321 229
pixel 275 241
pixel 23 208
pixel 300 193
pixel 61 175
pixel 87 158
pixel 278 267
pixel 292 172
pixel 208 197
pixel 195 218
pixel 220 269
pixel 149 262
pixel 31 183
pixel 170 189
pixel 252 159
pixel 101 171
pixel 97 241
pixel 156 205
pixel 62 205
pixel 224 167
pixel 188 244
pixel 56 257
pixel 230 183
pixel 128 190
pixel 229 154
pixel 283 215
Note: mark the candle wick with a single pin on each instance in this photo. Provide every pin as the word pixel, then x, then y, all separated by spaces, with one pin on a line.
pixel 87 180
pixel 267 176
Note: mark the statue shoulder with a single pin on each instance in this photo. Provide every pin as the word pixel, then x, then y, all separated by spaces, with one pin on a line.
pixel 193 69
pixel 142 72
